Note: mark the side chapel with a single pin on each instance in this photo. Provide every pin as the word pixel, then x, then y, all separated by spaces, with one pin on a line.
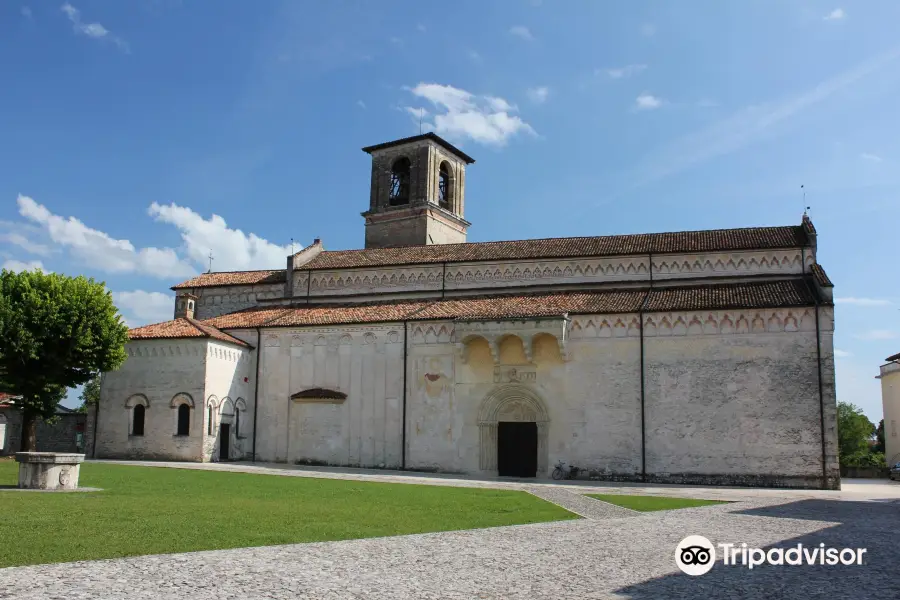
pixel 689 357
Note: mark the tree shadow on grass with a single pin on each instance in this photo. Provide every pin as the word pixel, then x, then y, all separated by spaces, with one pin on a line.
pixel 874 526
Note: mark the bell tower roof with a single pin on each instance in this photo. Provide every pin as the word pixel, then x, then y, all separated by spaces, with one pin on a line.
pixel 418 138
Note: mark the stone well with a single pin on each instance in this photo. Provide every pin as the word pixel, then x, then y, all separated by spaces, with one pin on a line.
pixel 49 470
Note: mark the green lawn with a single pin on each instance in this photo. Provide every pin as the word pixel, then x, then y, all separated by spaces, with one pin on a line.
pixel 150 510
pixel 651 503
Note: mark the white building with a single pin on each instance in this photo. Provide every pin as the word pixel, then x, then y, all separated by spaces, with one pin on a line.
pixel 694 357
pixel 890 401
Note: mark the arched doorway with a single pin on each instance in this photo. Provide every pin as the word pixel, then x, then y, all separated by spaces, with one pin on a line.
pixel 513 423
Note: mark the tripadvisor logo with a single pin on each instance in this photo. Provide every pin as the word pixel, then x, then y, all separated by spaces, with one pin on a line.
pixel 696 555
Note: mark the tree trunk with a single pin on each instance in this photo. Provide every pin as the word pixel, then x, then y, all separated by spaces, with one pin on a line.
pixel 29 432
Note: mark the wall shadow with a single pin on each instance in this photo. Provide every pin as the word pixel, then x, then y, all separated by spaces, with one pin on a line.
pixel 871 525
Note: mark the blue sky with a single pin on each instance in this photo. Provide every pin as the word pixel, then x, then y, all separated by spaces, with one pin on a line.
pixel 139 136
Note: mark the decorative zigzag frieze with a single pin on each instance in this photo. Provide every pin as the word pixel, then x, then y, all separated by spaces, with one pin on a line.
pixel 461 276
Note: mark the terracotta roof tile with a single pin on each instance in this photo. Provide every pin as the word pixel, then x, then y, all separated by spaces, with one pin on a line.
pixel 685 241
pixel 182 328
pixel 745 295
pixel 768 294
pixel 233 278
pixel 820 275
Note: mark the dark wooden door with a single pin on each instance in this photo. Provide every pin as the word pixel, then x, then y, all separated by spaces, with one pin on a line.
pixel 517 449
pixel 224 441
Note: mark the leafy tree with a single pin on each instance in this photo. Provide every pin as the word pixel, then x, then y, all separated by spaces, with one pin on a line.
pixel 90 394
pixel 879 438
pixel 854 432
pixel 57 332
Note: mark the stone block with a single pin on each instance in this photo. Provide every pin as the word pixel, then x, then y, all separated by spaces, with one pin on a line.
pixel 49 470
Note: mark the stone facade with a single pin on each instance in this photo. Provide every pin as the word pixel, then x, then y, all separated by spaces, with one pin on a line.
pixel 692 357
pixel 210 377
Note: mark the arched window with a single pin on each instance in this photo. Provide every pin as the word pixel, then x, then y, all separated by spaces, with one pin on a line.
pixel 209 420
pixel 184 420
pixel 399 182
pixel 444 186
pixel 237 423
pixel 137 420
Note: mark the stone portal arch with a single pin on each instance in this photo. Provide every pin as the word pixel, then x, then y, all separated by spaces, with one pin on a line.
pixel 512 402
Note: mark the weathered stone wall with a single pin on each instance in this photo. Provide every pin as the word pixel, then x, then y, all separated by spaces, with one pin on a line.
pixel 215 301
pixel 61 436
pixel 363 362
pixel 730 396
pixel 155 372
pixel 741 405
pixel 229 401
pixel 508 275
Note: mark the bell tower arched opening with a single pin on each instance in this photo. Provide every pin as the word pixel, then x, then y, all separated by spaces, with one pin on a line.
pixel 417 193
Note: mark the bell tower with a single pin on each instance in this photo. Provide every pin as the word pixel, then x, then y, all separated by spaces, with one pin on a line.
pixel 418 193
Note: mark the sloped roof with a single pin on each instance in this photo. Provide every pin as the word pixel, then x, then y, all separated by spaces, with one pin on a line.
pixel 821 276
pixel 713 240
pixel 234 278
pixel 417 138
pixel 769 294
pixel 182 328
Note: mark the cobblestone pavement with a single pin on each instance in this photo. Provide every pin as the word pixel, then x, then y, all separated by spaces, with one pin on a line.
pixel 621 557
pixel 858 489
pixel 589 508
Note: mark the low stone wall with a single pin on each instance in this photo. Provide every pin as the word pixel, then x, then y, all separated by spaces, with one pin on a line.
pixel 66 435
pixel 865 472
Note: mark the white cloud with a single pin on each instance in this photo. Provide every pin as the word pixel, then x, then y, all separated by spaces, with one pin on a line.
pixel 835 15
pixel 841 353
pixel 91 30
pixel 538 95
pixel 143 308
pixel 648 29
pixel 863 301
pixel 18 266
pixel 482 119
pixel 871 157
pixel 522 32
pixel 232 249
pixel 751 124
pixel 877 335
pixel 17 239
pixel 626 71
pixel 647 102
pixel 101 251
pixel 26 12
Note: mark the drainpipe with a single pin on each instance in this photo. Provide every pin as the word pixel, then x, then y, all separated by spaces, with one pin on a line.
pixel 403 440
pixel 643 428
pixel 259 347
pixel 308 283
pixel 444 281
pixel 643 376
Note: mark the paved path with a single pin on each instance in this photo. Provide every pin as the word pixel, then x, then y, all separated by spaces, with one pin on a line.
pixel 582 559
pixel 589 508
pixel 852 489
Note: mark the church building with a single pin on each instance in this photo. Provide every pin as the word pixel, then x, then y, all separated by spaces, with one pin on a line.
pixel 700 357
